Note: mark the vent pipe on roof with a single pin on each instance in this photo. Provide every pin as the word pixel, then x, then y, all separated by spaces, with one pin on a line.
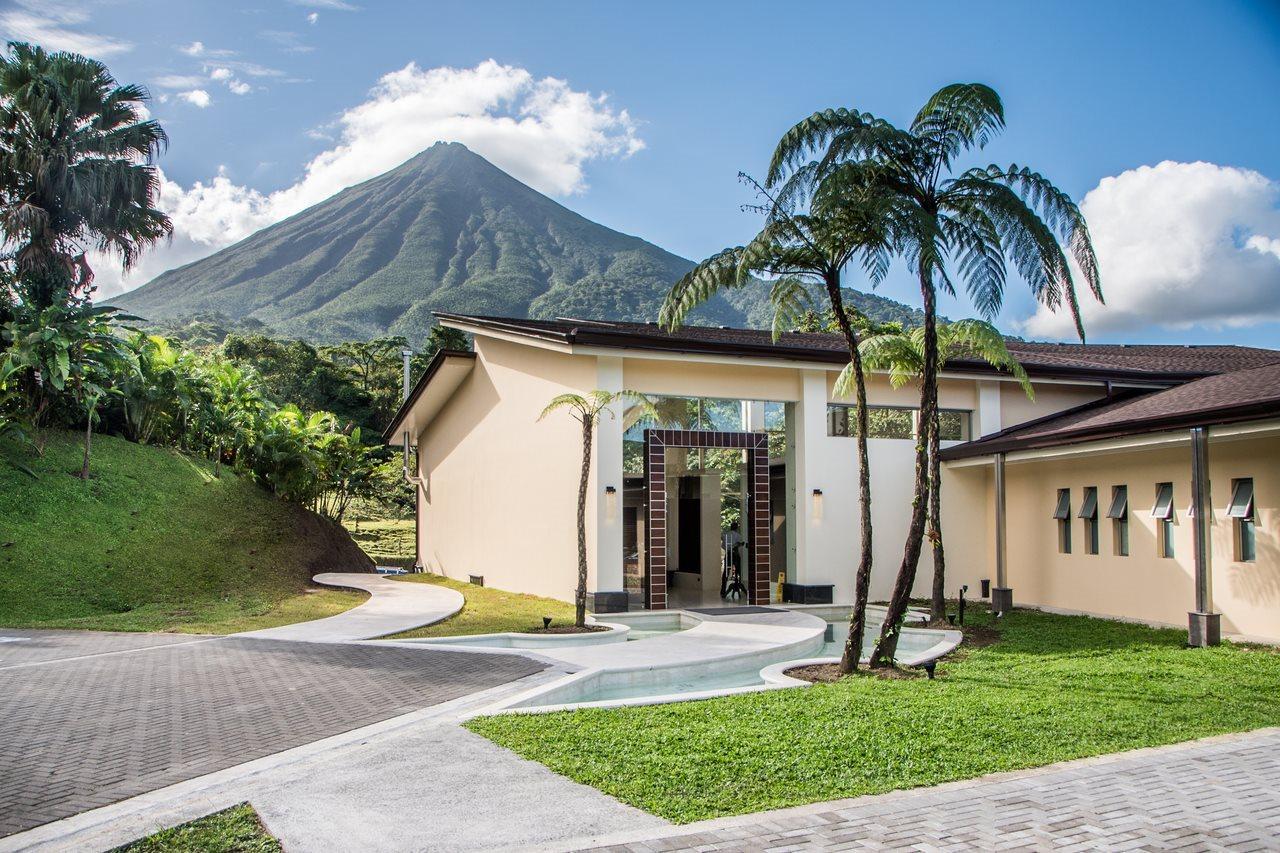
pixel 406 356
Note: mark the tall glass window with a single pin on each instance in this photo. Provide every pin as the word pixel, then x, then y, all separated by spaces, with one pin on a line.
pixel 1089 512
pixel 1062 513
pixel 1241 511
pixel 1162 512
pixel 896 422
pixel 1118 512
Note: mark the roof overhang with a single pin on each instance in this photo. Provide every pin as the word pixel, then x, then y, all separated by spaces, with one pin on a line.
pixel 442 377
pixel 1153 440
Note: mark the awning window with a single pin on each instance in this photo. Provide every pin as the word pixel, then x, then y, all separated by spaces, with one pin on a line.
pixel 1163 507
pixel 1241 505
pixel 1119 502
pixel 1089 507
pixel 1063 510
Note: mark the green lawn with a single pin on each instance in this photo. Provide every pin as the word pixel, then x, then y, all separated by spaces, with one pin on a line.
pixel 234 830
pixel 155 542
pixel 389 541
pixel 489 611
pixel 1053 688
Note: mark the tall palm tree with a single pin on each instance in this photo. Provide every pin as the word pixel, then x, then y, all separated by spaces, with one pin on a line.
pixel 587 410
pixel 978 219
pixel 849 219
pixel 75 171
pixel 901 352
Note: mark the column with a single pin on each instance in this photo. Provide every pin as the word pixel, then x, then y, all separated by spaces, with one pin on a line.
pixel 607 592
pixel 1204 627
pixel 1001 594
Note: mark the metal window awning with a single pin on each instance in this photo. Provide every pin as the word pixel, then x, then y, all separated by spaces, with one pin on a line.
pixel 1063 510
pixel 1119 502
pixel 1089 507
pixel 1163 507
pixel 1241 505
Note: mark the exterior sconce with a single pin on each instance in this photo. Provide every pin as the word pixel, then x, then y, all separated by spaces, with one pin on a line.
pixel 817 504
pixel 610 503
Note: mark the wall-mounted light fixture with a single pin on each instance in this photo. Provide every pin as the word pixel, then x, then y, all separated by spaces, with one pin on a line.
pixel 610 503
pixel 817 504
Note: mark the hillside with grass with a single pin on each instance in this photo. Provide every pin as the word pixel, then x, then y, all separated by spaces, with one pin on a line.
pixel 444 231
pixel 154 541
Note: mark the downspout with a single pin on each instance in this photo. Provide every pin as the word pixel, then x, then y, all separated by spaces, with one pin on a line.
pixel 1204 627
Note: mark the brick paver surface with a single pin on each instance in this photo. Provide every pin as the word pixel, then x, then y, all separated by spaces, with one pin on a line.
pixel 1220 794
pixel 90 719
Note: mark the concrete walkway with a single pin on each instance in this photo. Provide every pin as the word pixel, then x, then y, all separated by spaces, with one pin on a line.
pixel 393 606
pixel 418 782
pixel 1221 793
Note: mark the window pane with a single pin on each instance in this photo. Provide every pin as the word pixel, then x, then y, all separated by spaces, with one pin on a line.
pixel 953 425
pixel 1089 507
pixel 890 423
pixel 839 421
pixel 1241 499
pixel 1248 540
pixel 1119 502
pixel 1063 509
pixel 1163 507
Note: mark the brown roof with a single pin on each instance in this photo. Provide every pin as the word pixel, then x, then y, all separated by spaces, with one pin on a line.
pixel 1240 395
pixel 1159 363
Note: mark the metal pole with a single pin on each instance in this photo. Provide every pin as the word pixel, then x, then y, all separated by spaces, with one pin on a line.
pixel 406 355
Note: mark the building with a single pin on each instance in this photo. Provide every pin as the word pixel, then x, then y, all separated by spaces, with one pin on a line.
pixel 1078 500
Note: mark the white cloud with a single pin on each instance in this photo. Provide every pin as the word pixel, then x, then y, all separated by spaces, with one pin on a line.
pixel 196 48
pixel 57 25
pixel 220 74
pixel 336 5
pixel 312 18
pixel 196 97
pixel 239 88
pixel 1179 245
pixel 540 130
pixel 179 81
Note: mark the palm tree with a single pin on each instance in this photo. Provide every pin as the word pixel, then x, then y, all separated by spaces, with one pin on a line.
pixel 75 171
pixel 979 219
pixel 587 411
pixel 849 219
pixel 901 353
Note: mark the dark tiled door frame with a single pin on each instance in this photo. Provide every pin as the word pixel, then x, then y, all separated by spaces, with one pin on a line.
pixel 756 444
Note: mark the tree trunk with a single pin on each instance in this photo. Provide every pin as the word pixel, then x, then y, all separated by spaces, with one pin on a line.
pixel 580 597
pixel 938 603
pixel 88 439
pixel 887 645
pixel 862 583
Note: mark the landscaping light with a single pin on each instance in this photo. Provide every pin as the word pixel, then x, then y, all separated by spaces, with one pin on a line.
pixel 929 667
pixel 817 504
pixel 546 622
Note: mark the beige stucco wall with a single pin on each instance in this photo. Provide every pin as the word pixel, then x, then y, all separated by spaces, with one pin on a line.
pixel 501 499
pixel 1141 586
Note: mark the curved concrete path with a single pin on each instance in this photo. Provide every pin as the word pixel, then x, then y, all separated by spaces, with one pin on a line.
pixel 393 606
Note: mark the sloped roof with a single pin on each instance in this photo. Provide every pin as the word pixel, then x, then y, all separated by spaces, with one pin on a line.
pixel 1160 363
pixel 1240 395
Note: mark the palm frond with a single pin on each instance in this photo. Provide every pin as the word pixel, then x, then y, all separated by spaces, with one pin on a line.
pixel 720 271
pixel 958 117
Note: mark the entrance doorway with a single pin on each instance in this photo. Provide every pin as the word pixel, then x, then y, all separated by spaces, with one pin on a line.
pixel 683 524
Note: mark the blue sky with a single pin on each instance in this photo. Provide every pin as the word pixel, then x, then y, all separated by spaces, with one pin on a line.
pixel 1094 92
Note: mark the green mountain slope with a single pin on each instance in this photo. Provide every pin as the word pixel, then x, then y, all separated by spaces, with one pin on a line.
pixel 154 542
pixel 446 230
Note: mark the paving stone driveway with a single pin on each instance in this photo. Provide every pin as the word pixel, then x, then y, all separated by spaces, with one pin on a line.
pixel 88 719
pixel 1217 794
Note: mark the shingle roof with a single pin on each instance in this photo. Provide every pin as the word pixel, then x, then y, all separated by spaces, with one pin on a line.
pixel 1240 395
pixel 1163 363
